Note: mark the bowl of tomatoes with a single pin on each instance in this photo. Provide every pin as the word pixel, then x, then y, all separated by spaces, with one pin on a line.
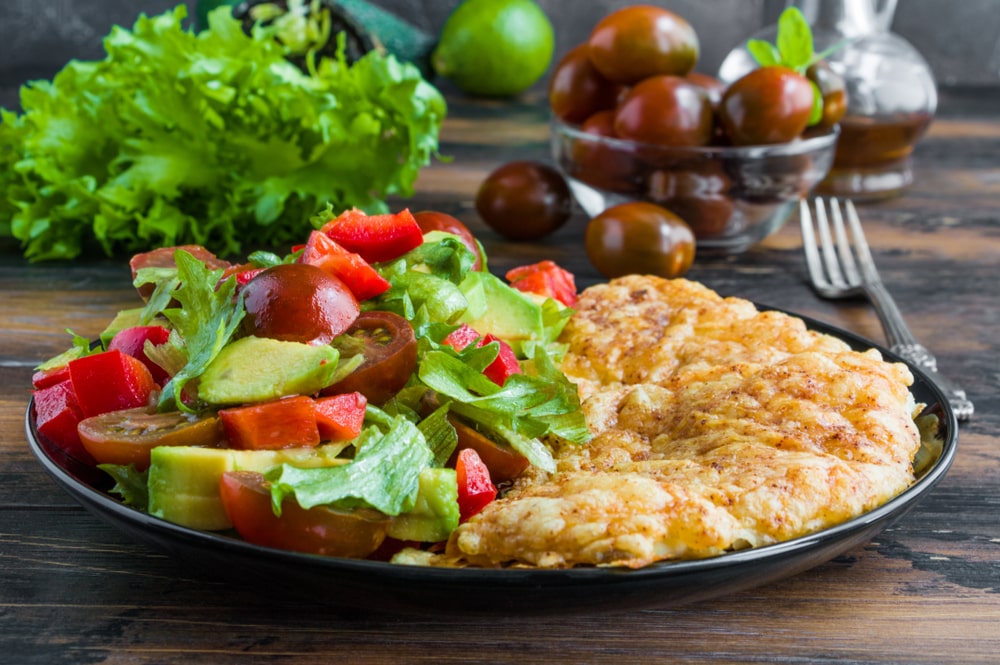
pixel 632 122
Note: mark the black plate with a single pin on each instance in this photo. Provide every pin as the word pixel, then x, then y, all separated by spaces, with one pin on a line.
pixel 384 586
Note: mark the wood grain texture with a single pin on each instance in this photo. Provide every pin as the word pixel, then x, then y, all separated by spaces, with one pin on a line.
pixel 74 590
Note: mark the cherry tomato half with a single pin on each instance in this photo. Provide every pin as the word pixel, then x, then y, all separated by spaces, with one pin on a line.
pixel 524 200
pixel 640 41
pixel 246 498
pixel 296 302
pixel 833 87
pixel 504 462
pixel 390 356
pixel 127 437
pixel 430 220
pixel 639 238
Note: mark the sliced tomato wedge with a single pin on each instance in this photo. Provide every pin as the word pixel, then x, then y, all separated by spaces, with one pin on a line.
pixel 128 436
pixel 340 417
pixel 390 356
pixel 246 498
pixel 324 252
pixel 475 489
pixel 504 462
pixel 375 237
pixel 544 278
pixel 284 423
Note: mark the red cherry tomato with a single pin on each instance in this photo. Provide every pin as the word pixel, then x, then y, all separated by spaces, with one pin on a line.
pixel 128 436
pixel 298 303
pixel 577 90
pixel 429 220
pixel 639 238
pixel 768 105
pixel 246 497
pixel 389 348
pixel 666 110
pixel 612 168
pixel 640 41
pixel 524 200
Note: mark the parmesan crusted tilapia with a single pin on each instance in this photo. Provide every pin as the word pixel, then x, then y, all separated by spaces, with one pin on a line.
pixel 716 427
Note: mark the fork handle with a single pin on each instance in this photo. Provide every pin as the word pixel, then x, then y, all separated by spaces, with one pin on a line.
pixel 905 345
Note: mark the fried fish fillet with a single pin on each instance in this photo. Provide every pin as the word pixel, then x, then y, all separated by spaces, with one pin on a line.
pixel 716 427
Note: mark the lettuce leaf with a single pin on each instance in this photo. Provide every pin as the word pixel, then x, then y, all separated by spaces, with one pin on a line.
pixel 214 139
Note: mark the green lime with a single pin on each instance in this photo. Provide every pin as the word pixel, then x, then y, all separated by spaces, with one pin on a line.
pixel 494 48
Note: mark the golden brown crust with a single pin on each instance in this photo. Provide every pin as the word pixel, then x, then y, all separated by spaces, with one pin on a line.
pixel 716 427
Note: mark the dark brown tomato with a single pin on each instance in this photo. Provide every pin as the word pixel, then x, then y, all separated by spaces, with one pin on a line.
pixel 833 87
pixel 699 195
pixel 389 348
pixel 640 41
pixel 163 257
pixel 298 302
pixel 524 200
pixel 608 166
pixel 577 90
pixel 639 238
pixel 665 110
pixel 430 220
pixel 768 105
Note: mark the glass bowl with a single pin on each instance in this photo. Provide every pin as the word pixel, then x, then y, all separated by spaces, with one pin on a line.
pixel 731 197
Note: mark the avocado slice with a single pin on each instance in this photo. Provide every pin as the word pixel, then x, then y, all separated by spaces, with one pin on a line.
pixel 435 514
pixel 495 307
pixel 259 369
pixel 184 480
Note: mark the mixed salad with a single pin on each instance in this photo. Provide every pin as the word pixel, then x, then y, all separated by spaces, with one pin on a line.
pixel 362 394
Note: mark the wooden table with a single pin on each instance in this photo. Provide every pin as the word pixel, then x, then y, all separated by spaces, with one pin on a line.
pixel 73 590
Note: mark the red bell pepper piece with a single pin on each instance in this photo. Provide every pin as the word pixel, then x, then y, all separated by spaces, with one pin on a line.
pixel 506 361
pixel 475 488
pixel 46 378
pixel 243 273
pixel 283 423
pixel 132 341
pixel 325 253
pixel 339 417
pixel 544 278
pixel 57 414
pixel 110 381
pixel 375 237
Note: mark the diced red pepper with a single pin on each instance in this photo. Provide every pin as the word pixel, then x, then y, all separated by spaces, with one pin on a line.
pixel 324 252
pixel 110 381
pixel 340 417
pixel 506 361
pixel 283 423
pixel 475 488
pixel 544 278
pixel 49 377
pixel 57 414
pixel 132 341
pixel 375 237
pixel 505 364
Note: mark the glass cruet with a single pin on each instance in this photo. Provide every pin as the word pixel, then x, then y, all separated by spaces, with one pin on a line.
pixel 891 93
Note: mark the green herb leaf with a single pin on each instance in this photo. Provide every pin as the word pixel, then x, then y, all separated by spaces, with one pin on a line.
pixel 794 40
pixel 764 52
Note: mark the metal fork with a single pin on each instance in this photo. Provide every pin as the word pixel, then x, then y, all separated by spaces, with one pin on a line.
pixel 841 266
